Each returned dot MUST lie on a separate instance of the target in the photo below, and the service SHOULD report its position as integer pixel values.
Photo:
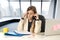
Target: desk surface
(37, 37)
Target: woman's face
(30, 14)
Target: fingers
(36, 16)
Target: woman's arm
(32, 27)
(20, 25)
(21, 22)
(37, 26)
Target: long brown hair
(33, 8)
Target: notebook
(15, 34)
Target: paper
(15, 34)
(22, 32)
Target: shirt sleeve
(20, 25)
(37, 26)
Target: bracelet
(22, 18)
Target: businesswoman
(30, 22)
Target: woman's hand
(25, 15)
(36, 16)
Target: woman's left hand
(37, 17)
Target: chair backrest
(42, 18)
(9, 21)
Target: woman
(30, 21)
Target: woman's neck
(30, 20)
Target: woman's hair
(33, 8)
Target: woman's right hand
(25, 15)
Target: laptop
(52, 27)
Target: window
(24, 6)
(4, 8)
(15, 8)
(45, 8)
(9, 9)
(38, 6)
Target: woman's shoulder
(41, 17)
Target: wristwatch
(22, 18)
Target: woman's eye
(27, 13)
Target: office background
(16, 8)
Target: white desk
(37, 37)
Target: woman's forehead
(30, 11)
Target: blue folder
(14, 34)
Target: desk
(37, 37)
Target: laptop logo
(56, 27)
